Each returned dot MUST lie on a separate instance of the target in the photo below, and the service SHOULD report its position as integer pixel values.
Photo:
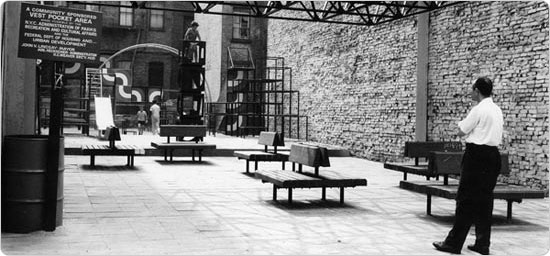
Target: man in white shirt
(482, 129)
(155, 117)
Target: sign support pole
(52, 172)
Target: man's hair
(484, 85)
(194, 23)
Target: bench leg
(436, 177)
(341, 195)
(509, 210)
(445, 179)
(171, 154)
(429, 204)
(289, 195)
(193, 154)
(274, 192)
(283, 165)
(404, 176)
(200, 155)
(324, 193)
(293, 167)
(128, 160)
(132, 164)
(165, 155)
(255, 165)
(427, 177)
(248, 166)
(92, 160)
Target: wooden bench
(448, 163)
(417, 150)
(313, 157)
(198, 132)
(267, 139)
(193, 146)
(120, 150)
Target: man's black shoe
(441, 246)
(483, 250)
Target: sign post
(57, 34)
(52, 172)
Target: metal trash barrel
(24, 166)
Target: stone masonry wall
(508, 42)
(357, 83)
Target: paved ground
(214, 208)
(225, 144)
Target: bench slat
(260, 156)
(290, 179)
(182, 145)
(423, 149)
(183, 130)
(309, 155)
(450, 163)
(271, 139)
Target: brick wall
(358, 83)
(508, 42)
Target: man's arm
(469, 123)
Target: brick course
(358, 83)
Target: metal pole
(52, 172)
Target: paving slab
(214, 208)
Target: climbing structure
(259, 100)
(185, 105)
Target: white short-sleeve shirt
(155, 110)
(484, 124)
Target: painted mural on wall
(122, 78)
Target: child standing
(142, 120)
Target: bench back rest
(451, 163)
(183, 130)
(308, 155)
(423, 149)
(271, 139)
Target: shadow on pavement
(183, 162)
(498, 221)
(311, 205)
(99, 167)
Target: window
(93, 8)
(126, 15)
(241, 24)
(156, 74)
(156, 17)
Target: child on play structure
(192, 34)
(142, 120)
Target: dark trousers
(474, 201)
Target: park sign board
(59, 34)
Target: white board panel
(103, 113)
